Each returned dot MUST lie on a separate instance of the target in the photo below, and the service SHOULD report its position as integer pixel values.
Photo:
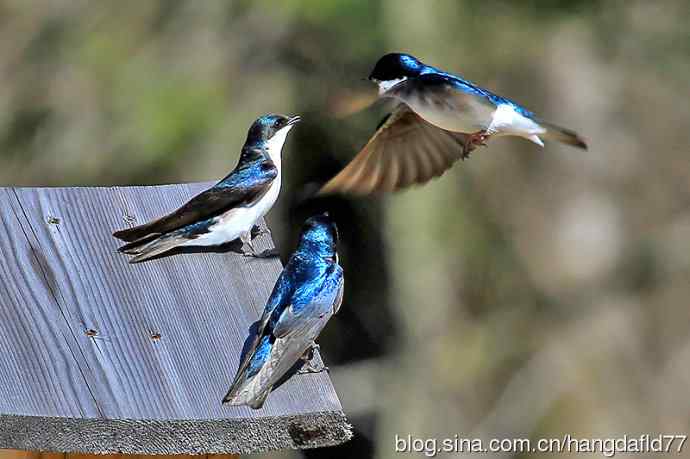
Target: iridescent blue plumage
(307, 293)
(253, 169)
(261, 354)
(395, 66)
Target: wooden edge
(215, 436)
(20, 454)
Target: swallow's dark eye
(276, 124)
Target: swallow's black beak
(293, 120)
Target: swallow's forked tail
(563, 135)
(146, 248)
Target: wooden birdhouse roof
(102, 356)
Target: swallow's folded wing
(243, 187)
(312, 307)
(404, 151)
(280, 299)
(292, 319)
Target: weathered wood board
(17, 454)
(168, 335)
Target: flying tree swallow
(226, 211)
(305, 296)
(440, 118)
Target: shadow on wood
(103, 356)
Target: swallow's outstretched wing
(405, 150)
(242, 187)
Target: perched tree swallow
(226, 211)
(307, 293)
(440, 119)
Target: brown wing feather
(404, 151)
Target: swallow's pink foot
(474, 140)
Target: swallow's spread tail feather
(554, 132)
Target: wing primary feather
(405, 150)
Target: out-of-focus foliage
(529, 292)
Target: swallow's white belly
(508, 121)
(469, 115)
(230, 225)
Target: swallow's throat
(384, 86)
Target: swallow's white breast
(233, 223)
(388, 84)
(230, 225)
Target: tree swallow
(305, 296)
(226, 211)
(440, 118)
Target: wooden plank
(33, 332)
(169, 334)
(19, 454)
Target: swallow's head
(394, 68)
(320, 233)
(271, 130)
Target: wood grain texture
(105, 356)
(19, 454)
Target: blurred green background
(527, 293)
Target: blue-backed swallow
(307, 293)
(440, 118)
(226, 211)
